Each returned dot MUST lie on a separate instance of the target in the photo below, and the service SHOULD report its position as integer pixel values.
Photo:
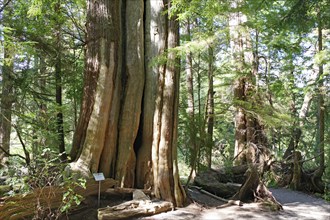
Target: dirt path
(299, 205)
(296, 206)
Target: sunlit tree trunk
(164, 155)
(241, 85)
(7, 92)
(192, 145)
(128, 126)
(210, 108)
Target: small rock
(139, 195)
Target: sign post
(99, 177)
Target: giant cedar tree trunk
(128, 123)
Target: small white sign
(98, 176)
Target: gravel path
(296, 206)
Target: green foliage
(270, 180)
(70, 197)
(284, 34)
(44, 172)
(29, 35)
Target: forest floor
(296, 205)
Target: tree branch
(26, 152)
(11, 155)
(4, 5)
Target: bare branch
(11, 155)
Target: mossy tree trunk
(128, 123)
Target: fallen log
(50, 197)
(124, 192)
(134, 208)
(209, 194)
(228, 202)
(209, 181)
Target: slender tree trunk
(292, 153)
(200, 115)
(164, 155)
(210, 108)
(320, 107)
(41, 116)
(302, 114)
(191, 108)
(58, 84)
(7, 98)
(7, 90)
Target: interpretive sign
(99, 177)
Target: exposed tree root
(246, 192)
(263, 195)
